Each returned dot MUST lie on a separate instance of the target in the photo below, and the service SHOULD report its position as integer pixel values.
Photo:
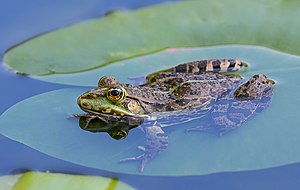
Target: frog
(208, 88)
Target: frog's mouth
(102, 105)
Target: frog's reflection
(117, 127)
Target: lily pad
(133, 70)
(50, 181)
(43, 122)
(123, 35)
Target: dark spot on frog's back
(182, 102)
(216, 64)
(182, 68)
(169, 108)
(232, 62)
(158, 105)
(202, 65)
(255, 77)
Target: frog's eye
(116, 94)
(107, 81)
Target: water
(18, 88)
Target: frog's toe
(132, 158)
(137, 158)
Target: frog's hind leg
(223, 118)
(210, 65)
(156, 142)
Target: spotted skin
(257, 87)
(213, 65)
(107, 81)
(199, 67)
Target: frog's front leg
(156, 142)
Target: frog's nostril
(81, 102)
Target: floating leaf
(50, 181)
(43, 122)
(127, 70)
(123, 35)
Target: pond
(252, 168)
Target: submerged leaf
(123, 35)
(43, 122)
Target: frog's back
(186, 86)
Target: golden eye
(116, 94)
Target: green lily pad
(50, 181)
(126, 71)
(43, 122)
(123, 35)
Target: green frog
(193, 90)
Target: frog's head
(109, 98)
(256, 87)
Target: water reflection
(117, 127)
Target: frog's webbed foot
(157, 141)
(89, 118)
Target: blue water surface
(20, 20)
